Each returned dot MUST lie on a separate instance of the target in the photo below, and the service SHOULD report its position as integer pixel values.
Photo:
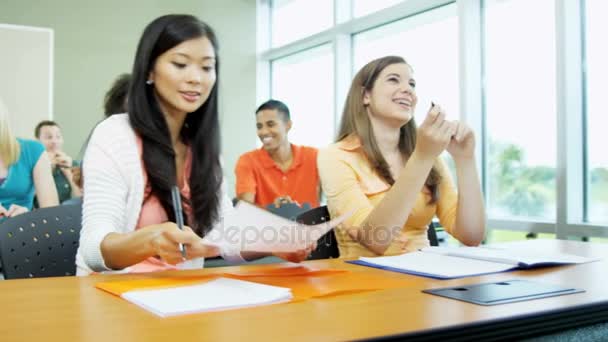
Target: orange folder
(304, 282)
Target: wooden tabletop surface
(72, 309)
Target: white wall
(26, 65)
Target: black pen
(179, 218)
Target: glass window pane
(597, 73)
(364, 7)
(291, 19)
(520, 108)
(435, 64)
(295, 81)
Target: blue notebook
(459, 262)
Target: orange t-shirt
(257, 173)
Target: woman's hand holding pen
(434, 134)
(167, 237)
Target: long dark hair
(200, 130)
(355, 120)
(114, 102)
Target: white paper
(250, 228)
(438, 265)
(455, 262)
(523, 258)
(218, 294)
(191, 264)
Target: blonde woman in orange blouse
(388, 170)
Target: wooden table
(72, 309)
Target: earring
(148, 82)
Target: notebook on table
(459, 262)
(215, 295)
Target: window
(429, 43)
(516, 53)
(596, 15)
(520, 108)
(305, 82)
(364, 7)
(291, 19)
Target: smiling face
(272, 128)
(51, 138)
(184, 76)
(393, 95)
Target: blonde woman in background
(25, 171)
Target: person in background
(388, 171)
(25, 170)
(115, 100)
(49, 134)
(169, 138)
(279, 172)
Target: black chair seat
(288, 210)
(41, 243)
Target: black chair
(288, 210)
(327, 245)
(72, 201)
(432, 234)
(41, 243)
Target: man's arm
(247, 197)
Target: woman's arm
(385, 221)
(470, 215)
(69, 175)
(162, 240)
(44, 182)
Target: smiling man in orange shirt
(279, 172)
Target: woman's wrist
(462, 161)
(423, 159)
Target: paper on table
(250, 228)
(437, 265)
(218, 294)
(519, 258)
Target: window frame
(571, 145)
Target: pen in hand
(179, 218)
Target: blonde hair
(9, 146)
(356, 120)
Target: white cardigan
(114, 191)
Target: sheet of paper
(218, 294)
(523, 258)
(251, 228)
(437, 265)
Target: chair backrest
(41, 243)
(432, 235)
(327, 245)
(72, 201)
(288, 210)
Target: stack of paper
(215, 295)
